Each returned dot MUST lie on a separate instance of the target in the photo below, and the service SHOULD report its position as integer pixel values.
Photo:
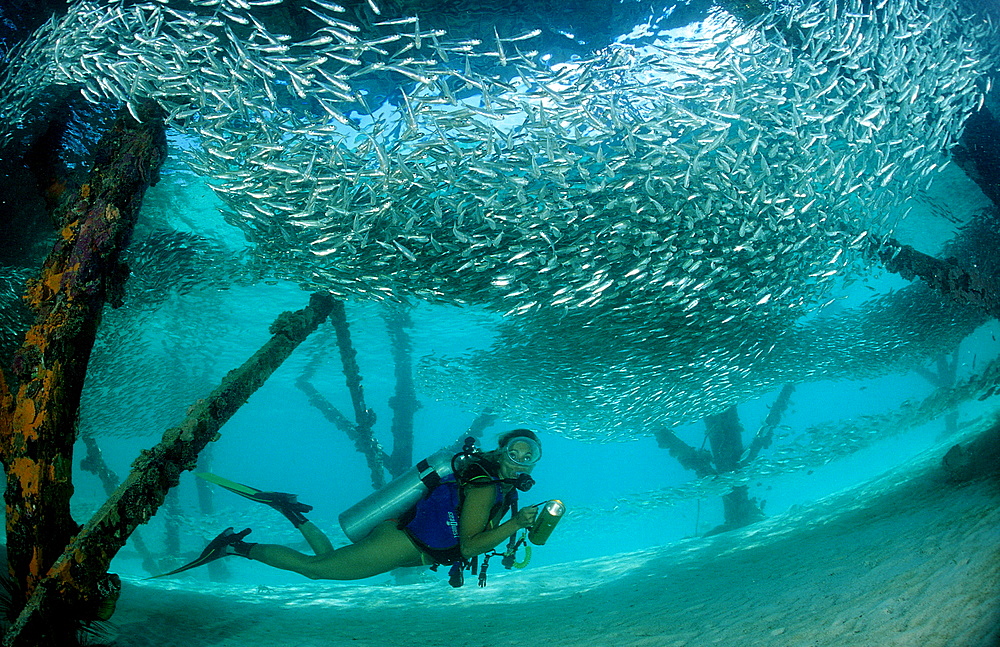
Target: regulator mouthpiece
(550, 514)
(523, 481)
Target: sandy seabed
(910, 559)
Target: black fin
(216, 549)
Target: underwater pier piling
(82, 273)
(697, 460)
(94, 463)
(978, 151)
(724, 431)
(945, 377)
(947, 277)
(725, 435)
(404, 403)
(362, 435)
(762, 440)
(365, 445)
(80, 572)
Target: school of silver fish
(652, 219)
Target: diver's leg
(316, 539)
(384, 549)
(294, 511)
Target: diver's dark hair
(518, 433)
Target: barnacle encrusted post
(724, 426)
(944, 377)
(81, 569)
(82, 272)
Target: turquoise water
(646, 222)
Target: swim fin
(286, 504)
(216, 549)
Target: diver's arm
(474, 537)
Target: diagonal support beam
(366, 444)
(766, 432)
(80, 572)
(964, 285)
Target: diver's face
(517, 457)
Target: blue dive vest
(433, 522)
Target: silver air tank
(397, 496)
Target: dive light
(550, 514)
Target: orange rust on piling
(27, 473)
(53, 281)
(26, 420)
(70, 230)
(38, 425)
(37, 338)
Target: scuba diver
(458, 518)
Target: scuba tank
(548, 517)
(400, 494)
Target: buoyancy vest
(433, 522)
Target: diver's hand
(525, 517)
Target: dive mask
(522, 451)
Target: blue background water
(279, 442)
